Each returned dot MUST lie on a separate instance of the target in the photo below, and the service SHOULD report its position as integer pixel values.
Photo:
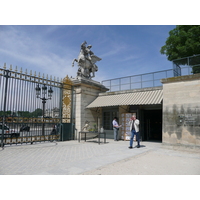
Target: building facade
(168, 113)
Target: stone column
(86, 91)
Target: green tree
(24, 114)
(37, 112)
(183, 41)
(7, 113)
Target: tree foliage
(183, 41)
(36, 113)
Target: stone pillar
(86, 91)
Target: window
(108, 116)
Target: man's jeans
(137, 137)
(115, 133)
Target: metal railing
(137, 81)
(186, 66)
(181, 67)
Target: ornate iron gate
(31, 107)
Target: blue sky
(125, 49)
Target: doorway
(153, 125)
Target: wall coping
(180, 78)
(88, 83)
(131, 91)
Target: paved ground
(71, 157)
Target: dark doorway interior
(153, 125)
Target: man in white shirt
(134, 128)
(116, 127)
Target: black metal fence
(30, 107)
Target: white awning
(134, 98)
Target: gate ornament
(66, 101)
(86, 62)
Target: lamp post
(46, 95)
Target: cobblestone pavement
(71, 157)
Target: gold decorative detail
(67, 82)
(67, 89)
(66, 100)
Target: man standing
(115, 128)
(134, 128)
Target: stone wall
(181, 110)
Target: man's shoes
(138, 146)
(130, 147)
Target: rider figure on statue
(86, 61)
(88, 53)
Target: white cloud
(51, 49)
(34, 53)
